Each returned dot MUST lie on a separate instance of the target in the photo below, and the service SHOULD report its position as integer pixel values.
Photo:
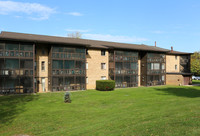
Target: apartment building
(178, 68)
(38, 63)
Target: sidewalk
(193, 85)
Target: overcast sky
(169, 22)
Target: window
(103, 52)
(57, 64)
(35, 65)
(43, 52)
(69, 64)
(26, 47)
(103, 65)
(175, 67)
(103, 77)
(163, 78)
(156, 66)
(86, 65)
(176, 57)
(153, 66)
(2, 46)
(86, 80)
(43, 65)
(163, 66)
(12, 46)
(26, 64)
(12, 63)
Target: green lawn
(143, 111)
(195, 81)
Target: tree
(195, 63)
(75, 35)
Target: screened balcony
(16, 68)
(123, 68)
(156, 69)
(185, 64)
(68, 68)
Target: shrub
(105, 85)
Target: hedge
(105, 85)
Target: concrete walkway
(193, 85)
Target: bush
(105, 85)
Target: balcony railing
(125, 85)
(125, 72)
(16, 72)
(126, 58)
(153, 83)
(14, 53)
(155, 59)
(184, 61)
(68, 87)
(149, 72)
(16, 90)
(61, 55)
(58, 72)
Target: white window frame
(104, 51)
(103, 66)
(176, 67)
(86, 65)
(103, 78)
(86, 80)
(42, 66)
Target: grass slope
(143, 111)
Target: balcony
(150, 72)
(156, 59)
(58, 72)
(126, 72)
(61, 55)
(16, 72)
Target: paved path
(193, 85)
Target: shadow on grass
(190, 92)
(11, 106)
(195, 82)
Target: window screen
(11, 63)
(12, 46)
(57, 64)
(26, 64)
(26, 47)
(69, 64)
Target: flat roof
(77, 42)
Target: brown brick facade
(42, 75)
(172, 79)
(171, 61)
(94, 71)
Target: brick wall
(94, 72)
(39, 72)
(172, 79)
(171, 62)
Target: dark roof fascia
(121, 48)
(179, 53)
(157, 52)
(42, 42)
(97, 48)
